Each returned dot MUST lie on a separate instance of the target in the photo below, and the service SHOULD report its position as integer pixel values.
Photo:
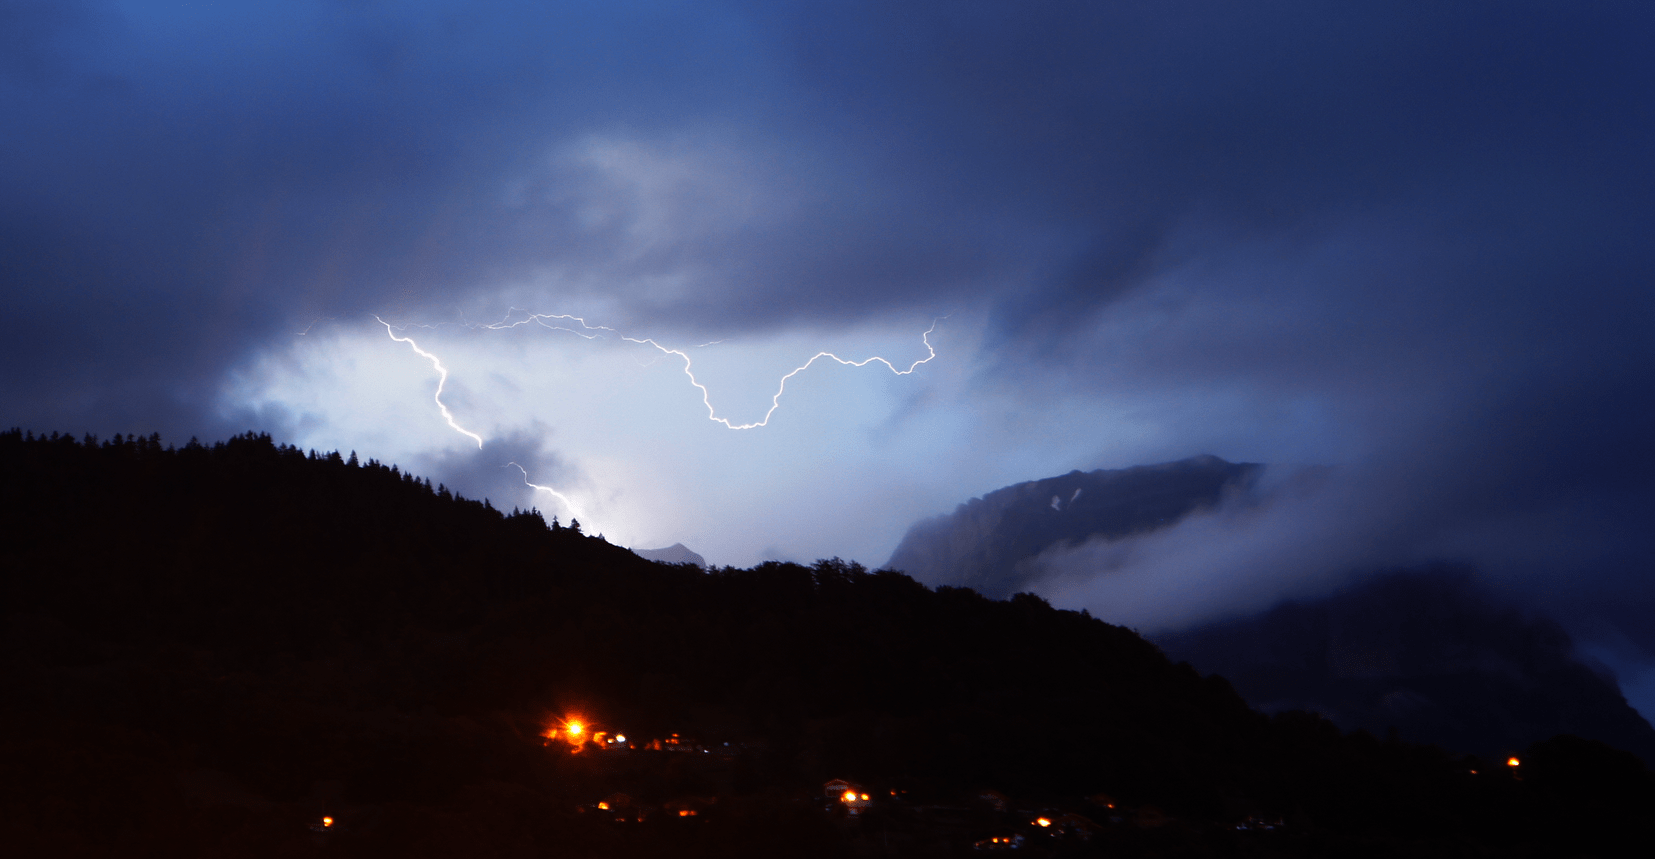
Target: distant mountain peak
(984, 543)
(677, 553)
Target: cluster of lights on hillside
(578, 733)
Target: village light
(1513, 762)
(1042, 822)
(850, 796)
(620, 738)
(327, 821)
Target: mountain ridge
(1424, 651)
(677, 553)
(986, 541)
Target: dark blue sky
(1409, 241)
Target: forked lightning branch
(581, 328)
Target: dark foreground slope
(208, 649)
(1425, 652)
(986, 542)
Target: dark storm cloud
(355, 156)
(1430, 222)
(181, 190)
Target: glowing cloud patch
(581, 328)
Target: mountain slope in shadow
(1425, 652)
(986, 543)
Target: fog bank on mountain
(987, 543)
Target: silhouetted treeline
(315, 632)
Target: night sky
(1401, 252)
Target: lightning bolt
(546, 320)
(546, 489)
(442, 380)
(592, 332)
(313, 324)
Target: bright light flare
(1513, 762)
(571, 731)
(327, 821)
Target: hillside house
(835, 789)
(852, 797)
(688, 806)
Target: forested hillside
(211, 648)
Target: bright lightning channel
(706, 396)
(546, 320)
(547, 489)
(441, 381)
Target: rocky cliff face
(1426, 652)
(987, 542)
